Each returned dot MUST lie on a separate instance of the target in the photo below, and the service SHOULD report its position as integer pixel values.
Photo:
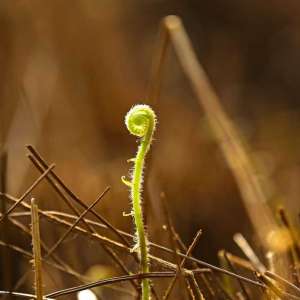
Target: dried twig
(36, 250)
(27, 192)
(68, 231)
(119, 245)
(179, 274)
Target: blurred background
(70, 70)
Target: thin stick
(111, 281)
(192, 278)
(179, 273)
(197, 288)
(73, 196)
(22, 295)
(68, 231)
(57, 190)
(27, 192)
(36, 249)
(188, 253)
(241, 284)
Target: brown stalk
(36, 250)
(246, 174)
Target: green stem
(141, 122)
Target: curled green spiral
(141, 122)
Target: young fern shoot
(141, 122)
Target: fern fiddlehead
(141, 122)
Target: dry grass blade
(51, 217)
(275, 289)
(238, 261)
(282, 281)
(36, 249)
(248, 251)
(293, 242)
(157, 66)
(246, 174)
